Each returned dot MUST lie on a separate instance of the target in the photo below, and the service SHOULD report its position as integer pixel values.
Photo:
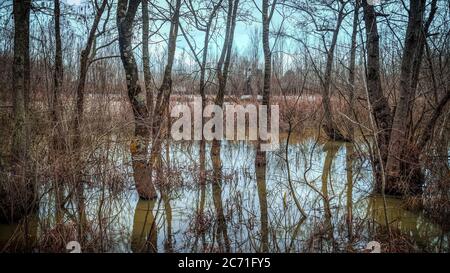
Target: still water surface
(317, 199)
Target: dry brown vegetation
(84, 115)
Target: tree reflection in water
(228, 197)
(144, 233)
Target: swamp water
(242, 206)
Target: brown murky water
(317, 199)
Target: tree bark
(428, 130)
(203, 89)
(163, 97)
(410, 59)
(225, 56)
(330, 127)
(400, 161)
(126, 12)
(20, 76)
(352, 64)
(84, 65)
(146, 57)
(260, 159)
(267, 53)
(57, 78)
(57, 141)
(379, 103)
(20, 199)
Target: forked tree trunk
(399, 125)
(163, 97)
(399, 165)
(126, 11)
(77, 144)
(223, 65)
(225, 56)
(84, 65)
(203, 91)
(222, 77)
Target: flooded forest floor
(312, 195)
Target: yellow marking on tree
(133, 146)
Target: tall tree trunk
(222, 68)
(21, 198)
(20, 77)
(146, 57)
(57, 78)
(379, 103)
(260, 159)
(84, 65)
(57, 142)
(222, 76)
(411, 62)
(330, 127)
(163, 97)
(267, 53)
(411, 55)
(349, 155)
(162, 100)
(352, 64)
(203, 89)
(205, 52)
(225, 56)
(126, 12)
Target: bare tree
(85, 58)
(352, 61)
(126, 12)
(223, 64)
(204, 25)
(163, 98)
(379, 103)
(57, 142)
(330, 127)
(146, 57)
(21, 74)
(22, 198)
(415, 36)
(266, 18)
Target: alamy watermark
(259, 125)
